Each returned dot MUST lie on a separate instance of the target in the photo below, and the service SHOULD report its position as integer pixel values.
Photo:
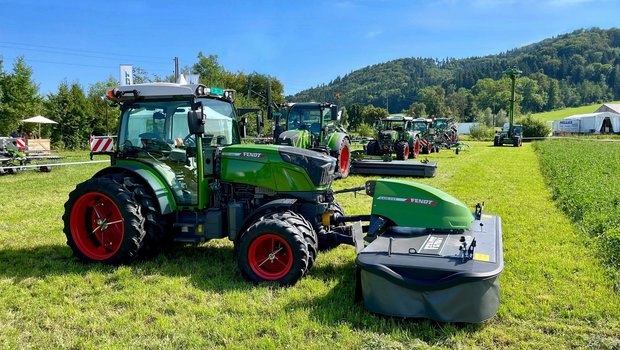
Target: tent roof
(592, 115)
(39, 119)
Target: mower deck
(423, 273)
(394, 168)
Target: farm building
(609, 107)
(591, 123)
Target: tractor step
(394, 168)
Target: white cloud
(374, 34)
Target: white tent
(39, 119)
(592, 123)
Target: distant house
(591, 123)
(609, 107)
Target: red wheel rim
(344, 160)
(270, 257)
(97, 226)
(406, 155)
(416, 148)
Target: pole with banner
(126, 74)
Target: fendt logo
(408, 200)
(244, 154)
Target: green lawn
(554, 291)
(567, 112)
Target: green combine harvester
(511, 134)
(179, 173)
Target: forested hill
(569, 70)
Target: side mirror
(196, 122)
(335, 113)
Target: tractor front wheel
(103, 223)
(344, 158)
(402, 150)
(274, 249)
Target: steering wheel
(189, 141)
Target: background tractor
(395, 135)
(314, 126)
(510, 134)
(423, 125)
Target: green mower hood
(410, 204)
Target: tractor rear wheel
(103, 223)
(496, 140)
(402, 150)
(154, 222)
(344, 158)
(274, 249)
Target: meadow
(555, 290)
(567, 112)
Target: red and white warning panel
(101, 144)
(21, 144)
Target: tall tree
(19, 98)
(70, 108)
(101, 107)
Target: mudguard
(410, 204)
(161, 191)
(334, 140)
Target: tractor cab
(306, 123)
(155, 132)
(420, 124)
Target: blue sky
(302, 43)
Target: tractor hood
(410, 204)
(295, 138)
(279, 168)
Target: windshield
(163, 124)
(440, 123)
(308, 118)
(397, 125)
(220, 122)
(420, 126)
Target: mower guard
(394, 168)
(436, 259)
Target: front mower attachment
(447, 276)
(429, 256)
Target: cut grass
(554, 291)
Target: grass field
(567, 112)
(554, 290)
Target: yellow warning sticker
(487, 216)
(482, 257)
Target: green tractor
(511, 134)
(423, 126)
(314, 126)
(396, 135)
(180, 173)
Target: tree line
(81, 112)
(574, 69)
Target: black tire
(496, 141)
(515, 141)
(325, 240)
(457, 150)
(45, 169)
(79, 219)
(155, 224)
(12, 171)
(372, 148)
(288, 258)
(344, 158)
(402, 150)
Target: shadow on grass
(339, 307)
(208, 268)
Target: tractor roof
(166, 90)
(397, 118)
(308, 104)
